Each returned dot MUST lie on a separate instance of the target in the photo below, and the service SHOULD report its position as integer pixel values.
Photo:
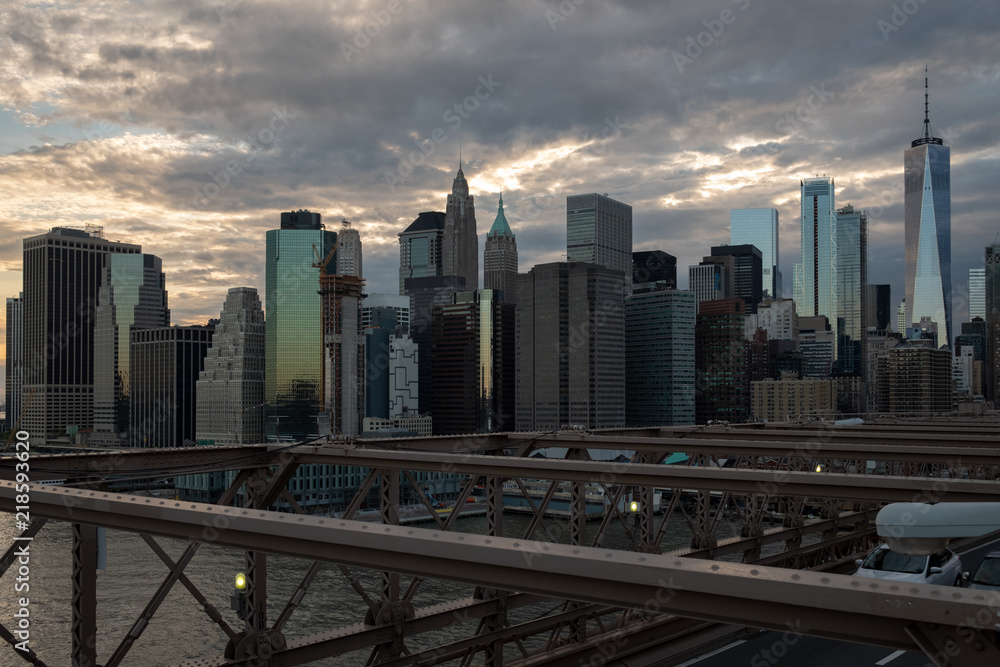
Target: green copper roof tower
(500, 258)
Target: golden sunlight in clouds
(508, 177)
(734, 180)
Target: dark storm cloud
(683, 109)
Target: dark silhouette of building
(460, 256)
(570, 347)
(879, 307)
(720, 362)
(165, 364)
(654, 266)
(748, 272)
(63, 271)
(472, 383)
(425, 293)
(659, 355)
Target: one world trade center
(928, 230)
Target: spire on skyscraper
(927, 137)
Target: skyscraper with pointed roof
(461, 242)
(500, 258)
(927, 228)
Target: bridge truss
(822, 485)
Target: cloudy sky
(189, 125)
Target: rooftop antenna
(460, 153)
(927, 119)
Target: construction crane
(321, 264)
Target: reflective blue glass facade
(816, 280)
(293, 331)
(928, 234)
(852, 292)
(759, 227)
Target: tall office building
(654, 266)
(721, 388)
(818, 345)
(901, 317)
(878, 306)
(759, 227)
(473, 345)
(349, 251)
(294, 325)
(398, 303)
(599, 231)
(344, 357)
(15, 358)
(852, 289)
(378, 332)
(927, 229)
(500, 258)
(63, 270)
(991, 261)
(816, 276)
(977, 293)
(165, 364)
(421, 248)
(708, 282)
(404, 384)
(570, 347)
(659, 356)
(229, 392)
(425, 293)
(230, 388)
(461, 241)
(132, 295)
(747, 272)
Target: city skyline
(753, 112)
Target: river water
(180, 630)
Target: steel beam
(844, 444)
(83, 652)
(784, 483)
(860, 610)
(146, 462)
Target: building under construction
(343, 342)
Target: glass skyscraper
(852, 292)
(816, 276)
(132, 294)
(294, 325)
(759, 227)
(659, 357)
(927, 216)
(599, 231)
(63, 271)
